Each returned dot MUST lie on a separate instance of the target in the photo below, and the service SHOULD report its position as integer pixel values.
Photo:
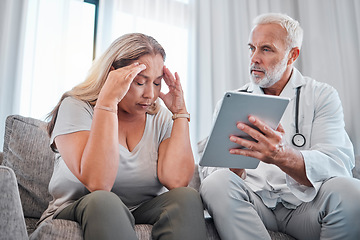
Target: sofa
(26, 165)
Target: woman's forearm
(176, 161)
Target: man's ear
(293, 55)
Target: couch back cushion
(27, 152)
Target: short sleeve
(74, 115)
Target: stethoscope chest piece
(298, 140)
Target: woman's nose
(149, 91)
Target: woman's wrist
(181, 115)
(182, 110)
(109, 109)
(106, 102)
(109, 106)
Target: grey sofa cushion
(12, 224)
(57, 229)
(68, 230)
(27, 152)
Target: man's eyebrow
(261, 45)
(266, 45)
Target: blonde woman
(121, 157)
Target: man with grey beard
(303, 185)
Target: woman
(118, 148)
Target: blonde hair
(122, 52)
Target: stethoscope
(298, 139)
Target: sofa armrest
(12, 222)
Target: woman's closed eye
(139, 82)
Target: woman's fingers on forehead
(167, 73)
(141, 67)
(168, 77)
(137, 69)
(130, 66)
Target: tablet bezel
(268, 108)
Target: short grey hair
(292, 27)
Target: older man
(303, 184)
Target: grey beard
(272, 76)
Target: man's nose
(255, 57)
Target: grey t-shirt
(136, 180)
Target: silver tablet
(236, 107)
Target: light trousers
(239, 213)
(177, 215)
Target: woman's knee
(182, 207)
(98, 198)
(183, 203)
(185, 196)
(103, 203)
(103, 215)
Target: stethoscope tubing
(298, 139)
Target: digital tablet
(236, 107)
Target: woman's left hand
(174, 99)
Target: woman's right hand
(118, 83)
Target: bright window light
(57, 56)
(59, 46)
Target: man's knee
(341, 188)
(342, 194)
(222, 191)
(340, 209)
(220, 184)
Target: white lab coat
(328, 151)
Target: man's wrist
(243, 175)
